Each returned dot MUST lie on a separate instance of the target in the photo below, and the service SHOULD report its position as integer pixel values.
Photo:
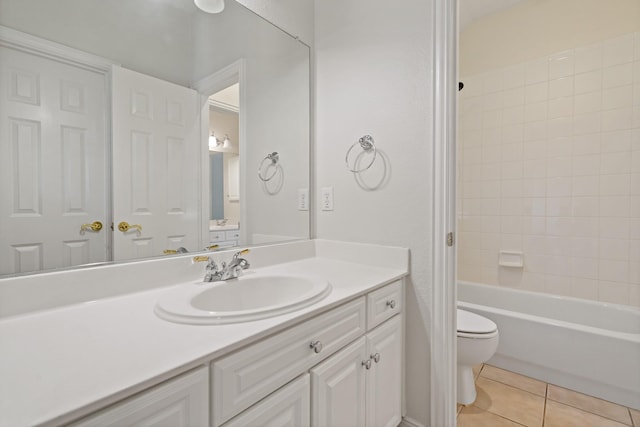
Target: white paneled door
(156, 167)
(52, 163)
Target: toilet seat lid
(472, 323)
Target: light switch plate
(303, 199)
(326, 198)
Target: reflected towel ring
(367, 144)
(274, 158)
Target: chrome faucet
(213, 273)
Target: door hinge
(450, 239)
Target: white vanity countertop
(60, 364)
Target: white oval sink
(240, 300)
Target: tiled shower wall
(549, 164)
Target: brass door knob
(125, 226)
(95, 226)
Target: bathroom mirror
(106, 123)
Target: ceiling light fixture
(210, 6)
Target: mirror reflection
(136, 128)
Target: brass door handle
(95, 226)
(125, 226)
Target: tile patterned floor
(507, 399)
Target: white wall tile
(614, 249)
(618, 51)
(615, 185)
(551, 159)
(618, 75)
(536, 92)
(588, 82)
(587, 144)
(588, 58)
(560, 107)
(617, 97)
(615, 228)
(588, 102)
(615, 163)
(560, 147)
(618, 119)
(614, 206)
(585, 206)
(585, 268)
(562, 64)
(616, 141)
(536, 71)
(562, 87)
(585, 247)
(616, 293)
(585, 185)
(587, 123)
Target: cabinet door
(384, 379)
(180, 402)
(338, 388)
(287, 407)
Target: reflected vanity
(107, 118)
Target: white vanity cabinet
(361, 384)
(182, 401)
(341, 367)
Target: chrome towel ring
(270, 161)
(367, 145)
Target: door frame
(443, 325)
(48, 49)
(207, 86)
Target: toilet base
(466, 394)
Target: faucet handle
(242, 252)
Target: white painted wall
(373, 76)
(293, 16)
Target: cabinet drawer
(384, 303)
(289, 406)
(232, 235)
(216, 236)
(246, 376)
(180, 402)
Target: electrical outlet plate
(326, 198)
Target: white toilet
(477, 342)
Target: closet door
(156, 166)
(52, 163)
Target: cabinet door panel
(287, 407)
(180, 402)
(250, 374)
(339, 387)
(384, 379)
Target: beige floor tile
(559, 415)
(472, 416)
(515, 380)
(459, 408)
(635, 416)
(590, 404)
(509, 402)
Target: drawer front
(179, 402)
(216, 236)
(246, 376)
(232, 235)
(289, 406)
(384, 303)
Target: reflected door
(52, 164)
(156, 172)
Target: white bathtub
(586, 346)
